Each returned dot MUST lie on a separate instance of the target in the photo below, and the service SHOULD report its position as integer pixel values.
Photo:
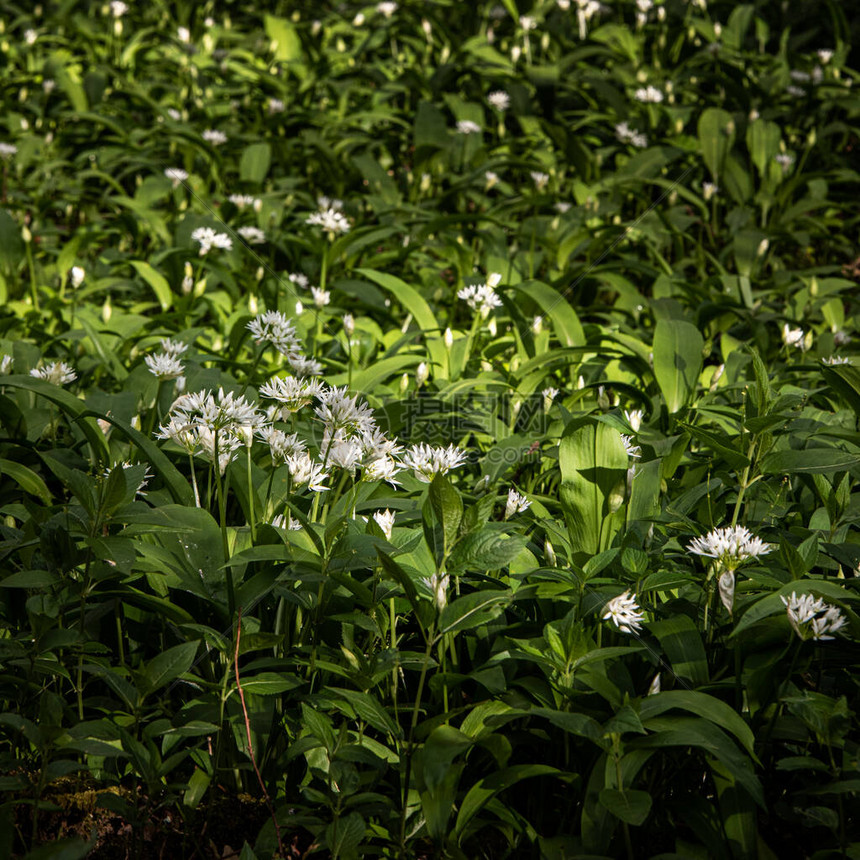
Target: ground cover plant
(429, 430)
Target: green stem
(745, 482)
(251, 493)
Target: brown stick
(250, 743)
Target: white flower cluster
(648, 95)
(167, 363)
(731, 546)
(623, 611)
(630, 135)
(482, 297)
(813, 618)
(209, 239)
(515, 504)
(276, 328)
(57, 372)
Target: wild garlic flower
(173, 347)
(648, 95)
(467, 126)
(549, 395)
(285, 521)
(623, 611)
(540, 179)
(437, 585)
(57, 372)
(282, 445)
(499, 99)
(834, 360)
(303, 366)
(825, 55)
(515, 504)
(386, 8)
(340, 411)
(163, 365)
(225, 413)
(7, 150)
(30, 36)
(527, 23)
(385, 521)
(299, 279)
(625, 134)
(731, 546)
(240, 201)
(214, 136)
(275, 327)
(183, 34)
(349, 325)
(209, 238)
(490, 178)
(427, 461)
(793, 337)
(252, 235)
(118, 8)
(634, 418)
(632, 450)
(709, 189)
(784, 160)
(330, 220)
(77, 274)
(292, 392)
(320, 296)
(382, 469)
(6, 362)
(813, 618)
(481, 298)
(304, 470)
(276, 106)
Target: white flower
(427, 461)
(30, 36)
(813, 618)
(655, 686)
(176, 175)
(824, 56)
(299, 279)
(634, 418)
(49, 85)
(480, 297)
(834, 360)
(491, 178)
(304, 470)
(164, 365)
(57, 372)
(330, 220)
(438, 587)
(293, 393)
(118, 8)
(540, 179)
(321, 297)
(731, 546)
(632, 450)
(709, 189)
(214, 136)
(276, 106)
(386, 8)
(549, 395)
(240, 201)
(630, 135)
(303, 366)
(6, 363)
(840, 338)
(345, 453)
(466, 126)
(76, 276)
(349, 324)
(183, 34)
(282, 446)
(175, 115)
(624, 613)
(285, 521)
(7, 150)
(515, 504)
(784, 160)
(527, 22)
(499, 99)
(273, 326)
(340, 411)
(648, 95)
(793, 337)
(208, 238)
(252, 235)
(382, 469)
(385, 520)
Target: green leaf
(344, 835)
(593, 465)
(762, 139)
(64, 849)
(845, 379)
(167, 667)
(677, 360)
(288, 45)
(681, 641)
(485, 550)
(565, 322)
(255, 162)
(627, 805)
(431, 130)
(442, 512)
(716, 131)
(809, 461)
(472, 610)
(483, 791)
(26, 479)
(155, 280)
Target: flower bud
(349, 324)
(422, 374)
(449, 338)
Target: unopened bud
(107, 310)
(252, 305)
(449, 338)
(422, 374)
(404, 383)
(349, 324)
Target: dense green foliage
(602, 258)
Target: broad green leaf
(255, 161)
(487, 788)
(287, 44)
(565, 322)
(155, 280)
(26, 479)
(484, 550)
(716, 131)
(677, 361)
(845, 379)
(808, 461)
(762, 141)
(593, 465)
(167, 667)
(628, 805)
(681, 641)
(472, 610)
